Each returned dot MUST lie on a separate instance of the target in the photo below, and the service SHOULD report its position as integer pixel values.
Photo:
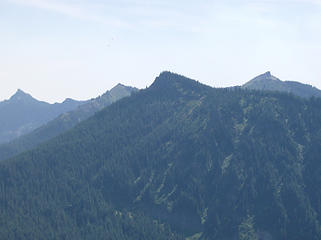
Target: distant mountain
(176, 159)
(64, 122)
(22, 113)
(268, 82)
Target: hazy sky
(55, 49)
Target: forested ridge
(176, 160)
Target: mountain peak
(265, 78)
(20, 95)
(166, 79)
(119, 91)
(268, 74)
(170, 85)
(69, 100)
(167, 75)
(266, 81)
(118, 86)
(19, 91)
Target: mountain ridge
(268, 82)
(64, 121)
(211, 163)
(22, 95)
(22, 113)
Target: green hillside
(176, 159)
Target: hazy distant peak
(20, 95)
(267, 81)
(20, 92)
(265, 76)
(119, 85)
(69, 100)
(119, 91)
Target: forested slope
(178, 158)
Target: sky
(57, 49)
